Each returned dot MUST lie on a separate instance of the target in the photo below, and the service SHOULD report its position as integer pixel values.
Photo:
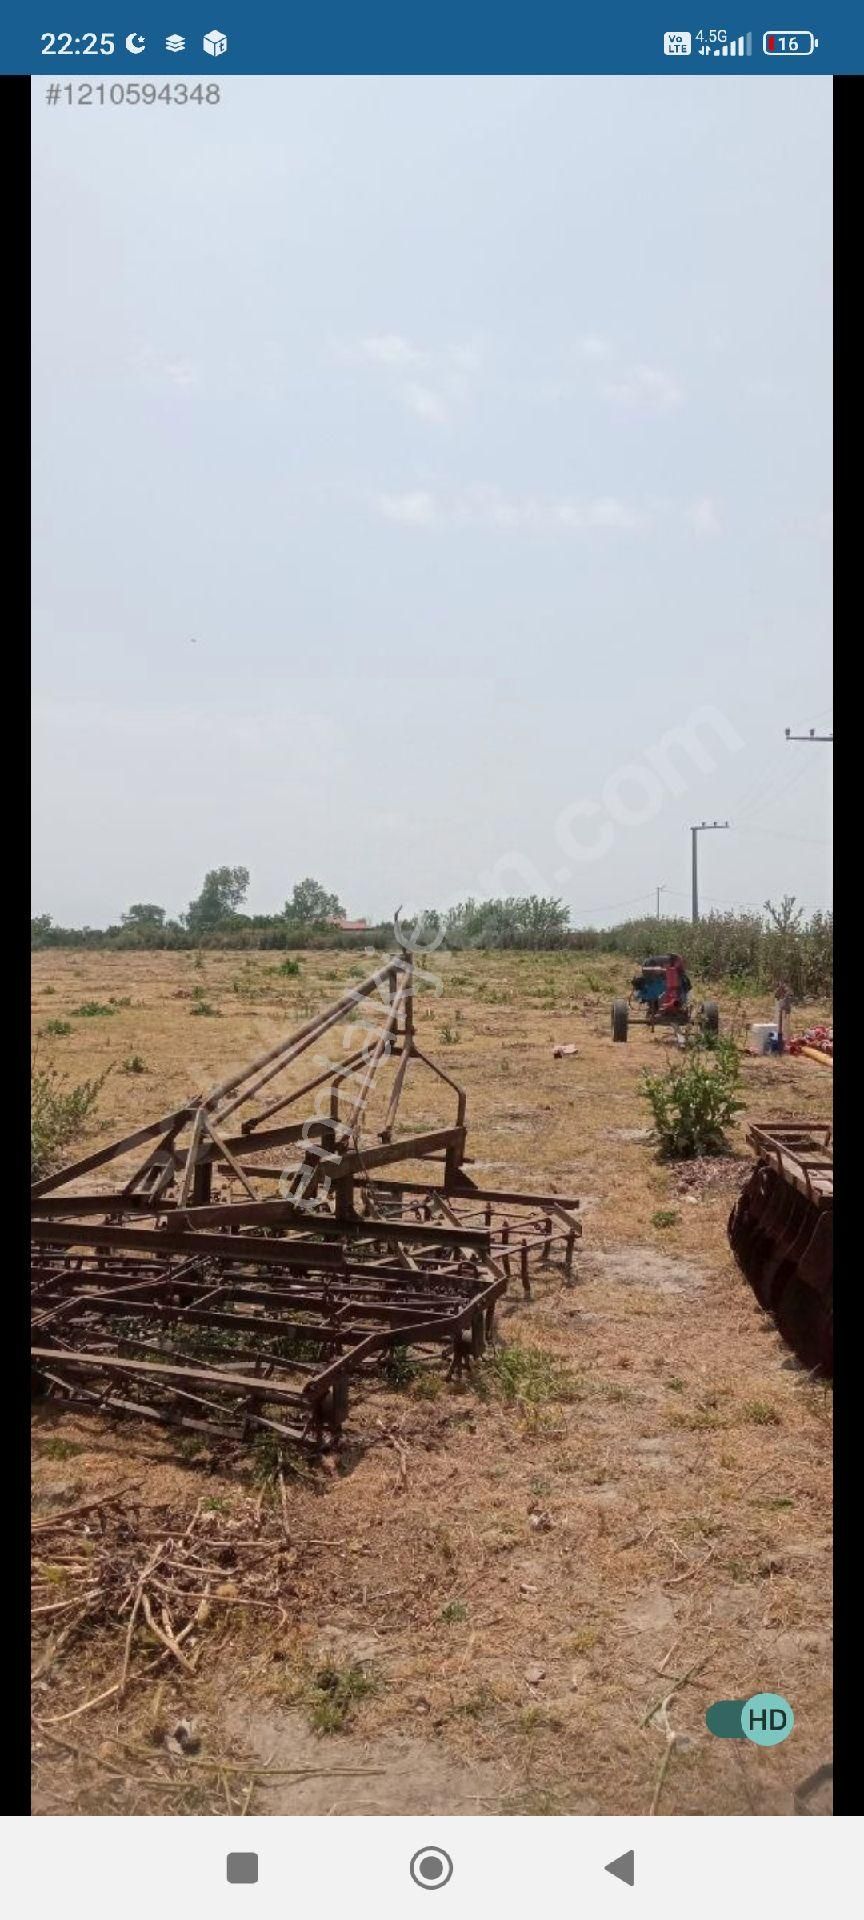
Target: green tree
(144, 914)
(310, 901)
(224, 890)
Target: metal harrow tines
(223, 1348)
(781, 1233)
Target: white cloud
(158, 371)
(704, 518)
(443, 375)
(426, 403)
(181, 373)
(490, 508)
(390, 350)
(615, 513)
(644, 390)
(592, 347)
(410, 509)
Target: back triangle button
(624, 1868)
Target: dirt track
(522, 1580)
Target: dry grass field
(530, 1586)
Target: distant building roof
(350, 926)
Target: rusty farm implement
(781, 1233)
(243, 1263)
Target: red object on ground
(821, 1037)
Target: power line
(733, 905)
(611, 906)
(803, 839)
(772, 791)
(824, 713)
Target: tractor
(662, 987)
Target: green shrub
(134, 1064)
(204, 1009)
(693, 1103)
(57, 1027)
(57, 1114)
(665, 1217)
(91, 1010)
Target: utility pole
(809, 736)
(660, 889)
(705, 826)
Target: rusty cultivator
(781, 1233)
(262, 1259)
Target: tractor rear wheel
(620, 1019)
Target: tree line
(753, 948)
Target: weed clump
(334, 1695)
(524, 1376)
(57, 1113)
(693, 1103)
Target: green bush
(57, 1114)
(58, 1027)
(693, 1103)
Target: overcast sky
(410, 455)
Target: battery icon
(790, 44)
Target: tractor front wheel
(620, 1019)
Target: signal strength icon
(735, 49)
